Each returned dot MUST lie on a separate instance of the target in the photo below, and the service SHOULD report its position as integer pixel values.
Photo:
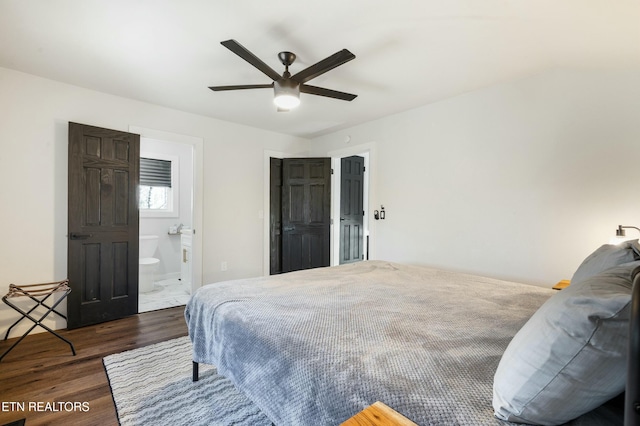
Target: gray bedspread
(315, 347)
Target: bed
(316, 347)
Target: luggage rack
(38, 293)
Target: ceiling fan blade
(242, 51)
(323, 66)
(321, 91)
(241, 86)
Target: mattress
(315, 347)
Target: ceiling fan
(287, 87)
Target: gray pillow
(570, 357)
(605, 257)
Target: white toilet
(147, 263)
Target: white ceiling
(408, 52)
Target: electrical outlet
(223, 265)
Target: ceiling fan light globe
(286, 93)
(286, 101)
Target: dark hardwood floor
(42, 369)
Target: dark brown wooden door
(103, 224)
(275, 216)
(306, 216)
(351, 209)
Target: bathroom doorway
(170, 206)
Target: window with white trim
(158, 190)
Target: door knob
(289, 228)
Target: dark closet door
(275, 216)
(306, 216)
(351, 209)
(103, 224)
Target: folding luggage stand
(39, 293)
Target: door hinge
(364, 169)
(331, 171)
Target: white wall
(517, 181)
(34, 116)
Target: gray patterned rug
(152, 386)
